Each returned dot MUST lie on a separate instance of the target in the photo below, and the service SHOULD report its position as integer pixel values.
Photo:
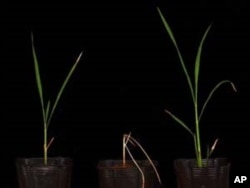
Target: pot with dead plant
(130, 173)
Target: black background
(128, 75)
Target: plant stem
(45, 144)
(197, 129)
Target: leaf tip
(233, 86)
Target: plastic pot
(214, 175)
(113, 174)
(32, 173)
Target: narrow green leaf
(63, 86)
(167, 27)
(171, 35)
(38, 78)
(47, 112)
(198, 60)
(178, 120)
(212, 92)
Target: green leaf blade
(178, 120)
(38, 78)
(171, 35)
(198, 60)
(217, 86)
(63, 86)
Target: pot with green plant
(202, 171)
(130, 173)
(46, 172)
